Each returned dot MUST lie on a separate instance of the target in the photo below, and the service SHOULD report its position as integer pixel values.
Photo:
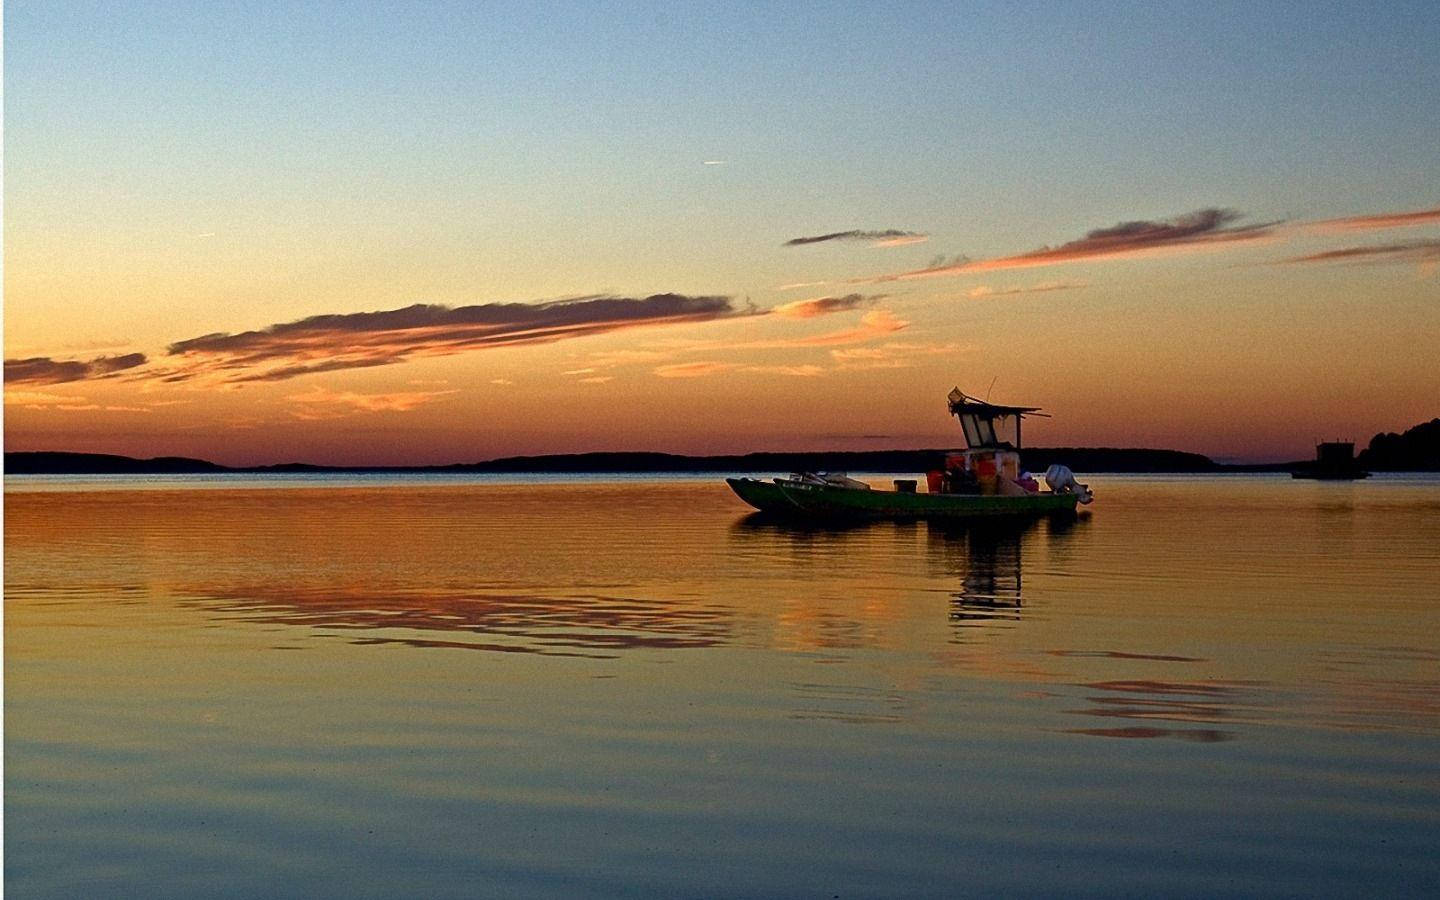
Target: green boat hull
(819, 502)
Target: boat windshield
(984, 431)
(978, 432)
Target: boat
(1334, 461)
(984, 480)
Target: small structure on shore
(1334, 461)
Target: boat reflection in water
(984, 557)
(991, 586)
(988, 561)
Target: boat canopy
(989, 425)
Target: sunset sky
(442, 232)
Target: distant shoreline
(1082, 459)
(1416, 450)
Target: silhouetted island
(1103, 459)
(1418, 449)
(60, 463)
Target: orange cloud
(37, 399)
(403, 401)
(892, 354)
(693, 369)
(873, 324)
(710, 367)
(819, 306)
(1198, 229)
(610, 358)
(806, 371)
(1383, 220)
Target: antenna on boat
(991, 388)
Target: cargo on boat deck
(983, 480)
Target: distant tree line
(1084, 459)
(1417, 450)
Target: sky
(445, 232)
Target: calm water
(461, 687)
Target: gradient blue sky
(176, 170)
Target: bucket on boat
(985, 473)
(905, 485)
(1009, 465)
(934, 480)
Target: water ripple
(511, 623)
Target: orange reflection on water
(1196, 602)
(550, 625)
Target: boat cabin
(990, 464)
(989, 425)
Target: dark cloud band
(358, 340)
(889, 234)
(1381, 221)
(1408, 251)
(1192, 230)
(44, 370)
